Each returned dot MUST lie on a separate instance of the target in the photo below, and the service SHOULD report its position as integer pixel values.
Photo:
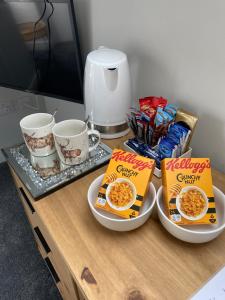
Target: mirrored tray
(44, 174)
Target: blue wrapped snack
(167, 148)
(176, 139)
(179, 135)
(145, 117)
(159, 117)
(147, 151)
(162, 117)
(134, 144)
(165, 151)
(180, 131)
(144, 150)
(171, 109)
(167, 118)
(173, 130)
(178, 142)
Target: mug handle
(94, 132)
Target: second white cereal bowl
(114, 222)
(194, 233)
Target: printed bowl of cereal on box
(121, 194)
(192, 203)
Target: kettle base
(111, 132)
(115, 135)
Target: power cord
(34, 39)
(49, 31)
(49, 36)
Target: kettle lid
(107, 57)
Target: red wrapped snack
(144, 103)
(158, 102)
(150, 104)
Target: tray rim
(38, 193)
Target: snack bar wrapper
(189, 119)
(150, 104)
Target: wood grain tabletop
(147, 263)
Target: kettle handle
(111, 78)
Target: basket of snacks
(161, 130)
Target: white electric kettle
(107, 92)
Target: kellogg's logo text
(186, 163)
(132, 159)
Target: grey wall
(176, 49)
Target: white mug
(37, 133)
(72, 141)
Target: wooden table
(93, 262)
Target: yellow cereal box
(125, 183)
(188, 190)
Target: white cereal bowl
(194, 233)
(114, 222)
